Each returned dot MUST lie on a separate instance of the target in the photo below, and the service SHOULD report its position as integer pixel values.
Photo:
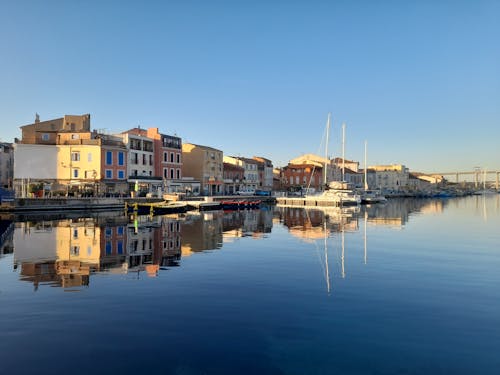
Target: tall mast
(366, 173)
(343, 151)
(326, 149)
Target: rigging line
(323, 140)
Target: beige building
(46, 132)
(389, 178)
(204, 164)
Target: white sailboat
(338, 192)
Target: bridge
(475, 174)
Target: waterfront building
(390, 178)
(305, 175)
(84, 166)
(167, 159)
(354, 178)
(204, 164)
(233, 178)
(64, 157)
(348, 164)
(6, 165)
(333, 173)
(265, 169)
(278, 180)
(251, 174)
(114, 166)
(141, 172)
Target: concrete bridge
(475, 174)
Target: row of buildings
(64, 156)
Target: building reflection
(66, 252)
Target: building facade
(233, 178)
(265, 168)
(6, 165)
(167, 159)
(141, 172)
(389, 178)
(297, 177)
(204, 164)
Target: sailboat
(337, 192)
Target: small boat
(159, 208)
(372, 196)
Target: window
(178, 174)
(75, 156)
(75, 232)
(108, 232)
(150, 159)
(143, 159)
(178, 158)
(45, 137)
(135, 158)
(75, 136)
(119, 245)
(75, 173)
(108, 247)
(165, 157)
(109, 173)
(89, 157)
(172, 173)
(74, 250)
(121, 175)
(121, 158)
(119, 231)
(171, 157)
(109, 157)
(165, 172)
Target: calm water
(410, 287)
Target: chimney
(37, 118)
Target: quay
(114, 203)
(70, 204)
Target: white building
(141, 163)
(389, 178)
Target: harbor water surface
(408, 287)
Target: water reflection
(65, 252)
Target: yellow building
(204, 164)
(78, 166)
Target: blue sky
(419, 80)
